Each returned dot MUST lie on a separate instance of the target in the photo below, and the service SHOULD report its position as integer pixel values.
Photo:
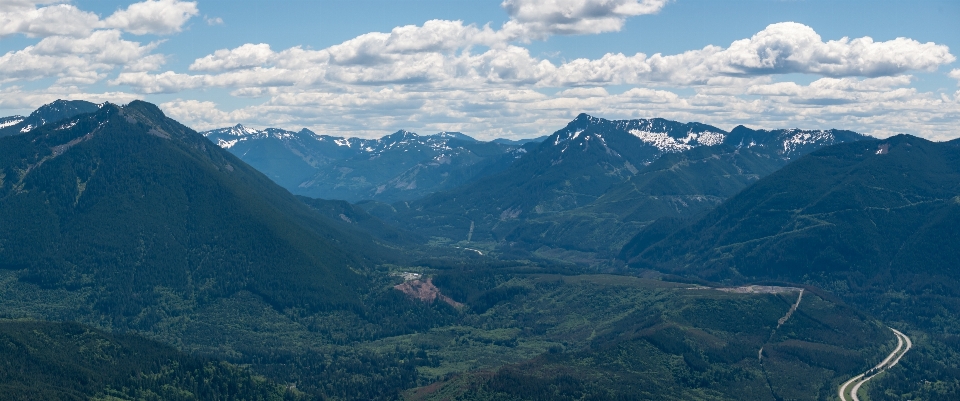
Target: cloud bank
(483, 80)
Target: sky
(502, 68)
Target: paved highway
(903, 345)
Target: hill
(675, 186)
(405, 166)
(681, 185)
(127, 220)
(352, 218)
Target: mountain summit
(48, 113)
(573, 167)
(136, 207)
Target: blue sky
(515, 68)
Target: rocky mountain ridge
(48, 113)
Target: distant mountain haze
(399, 166)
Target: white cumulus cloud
(77, 60)
(790, 47)
(246, 56)
(877, 106)
(151, 16)
(160, 17)
(59, 19)
(537, 19)
(438, 54)
(955, 74)
(77, 48)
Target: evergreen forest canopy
(650, 259)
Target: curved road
(891, 361)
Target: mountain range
(592, 185)
(597, 179)
(399, 166)
(612, 259)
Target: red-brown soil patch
(425, 291)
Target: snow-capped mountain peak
(664, 135)
(48, 113)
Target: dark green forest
(67, 361)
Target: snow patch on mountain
(67, 125)
(11, 121)
(227, 144)
(239, 131)
(708, 138)
(660, 140)
(566, 136)
(667, 143)
(796, 138)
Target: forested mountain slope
(874, 222)
(130, 204)
(873, 212)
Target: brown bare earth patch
(425, 291)
(759, 289)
